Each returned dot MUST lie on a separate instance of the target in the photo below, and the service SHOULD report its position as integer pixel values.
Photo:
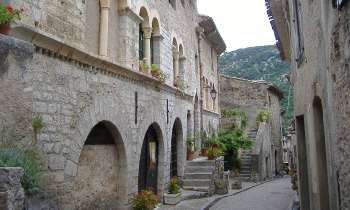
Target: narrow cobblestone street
(275, 195)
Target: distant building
(254, 97)
(314, 37)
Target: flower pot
(189, 155)
(211, 157)
(155, 73)
(172, 199)
(204, 152)
(5, 29)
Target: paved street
(275, 195)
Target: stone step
(196, 182)
(199, 169)
(194, 188)
(245, 171)
(246, 167)
(189, 195)
(197, 175)
(244, 175)
(200, 163)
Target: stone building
(253, 97)
(111, 129)
(314, 37)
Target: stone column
(147, 44)
(181, 71)
(176, 63)
(105, 5)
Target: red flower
(9, 8)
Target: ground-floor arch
(150, 160)
(176, 148)
(101, 181)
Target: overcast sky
(242, 23)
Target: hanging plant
(7, 15)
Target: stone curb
(213, 202)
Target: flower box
(172, 199)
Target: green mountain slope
(261, 63)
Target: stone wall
(253, 97)
(321, 92)
(249, 96)
(72, 98)
(11, 191)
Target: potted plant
(180, 83)
(173, 196)
(221, 187)
(8, 15)
(155, 70)
(205, 144)
(145, 200)
(144, 66)
(214, 152)
(162, 77)
(190, 148)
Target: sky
(241, 23)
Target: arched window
(145, 33)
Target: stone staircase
(246, 158)
(198, 175)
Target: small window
(173, 3)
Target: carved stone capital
(147, 32)
(105, 3)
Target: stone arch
(321, 153)
(101, 169)
(144, 13)
(151, 170)
(177, 149)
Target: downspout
(199, 34)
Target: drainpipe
(200, 31)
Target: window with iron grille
(299, 44)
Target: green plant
(174, 187)
(236, 112)
(220, 184)
(180, 83)
(190, 144)
(30, 162)
(38, 125)
(8, 14)
(234, 163)
(214, 152)
(145, 200)
(154, 67)
(162, 77)
(234, 139)
(263, 116)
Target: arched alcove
(155, 42)
(101, 180)
(151, 160)
(176, 149)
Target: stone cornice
(205, 111)
(50, 46)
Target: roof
(270, 86)
(212, 33)
(279, 22)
